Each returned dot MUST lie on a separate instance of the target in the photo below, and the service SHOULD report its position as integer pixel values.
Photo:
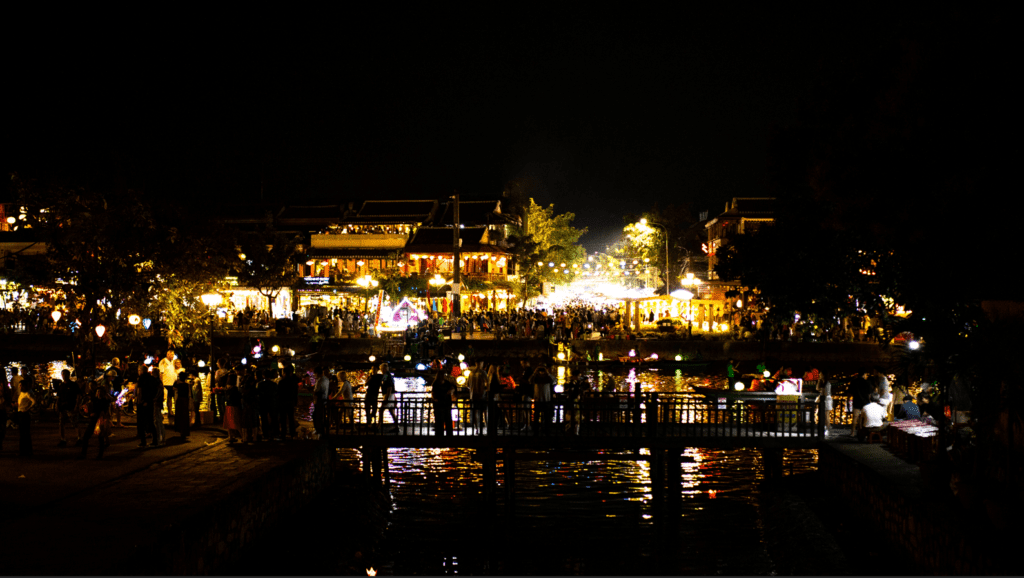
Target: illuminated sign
(316, 280)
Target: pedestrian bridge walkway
(606, 420)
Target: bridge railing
(612, 414)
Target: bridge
(597, 426)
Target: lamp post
(366, 282)
(644, 222)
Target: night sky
(607, 113)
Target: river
(573, 518)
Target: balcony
(360, 241)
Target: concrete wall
(926, 527)
(215, 536)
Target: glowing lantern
(371, 572)
(632, 353)
(56, 315)
(739, 386)
(134, 319)
(461, 380)
(561, 356)
(201, 363)
(913, 345)
(146, 323)
(679, 357)
(100, 330)
(407, 357)
(373, 358)
(462, 357)
(276, 349)
(767, 373)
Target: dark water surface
(576, 518)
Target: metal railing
(593, 414)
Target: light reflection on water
(565, 512)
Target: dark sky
(611, 113)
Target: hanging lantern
(56, 315)
(100, 330)
(134, 319)
(146, 323)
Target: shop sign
(316, 280)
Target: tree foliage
(270, 263)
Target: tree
(551, 239)
(267, 262)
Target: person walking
(320, 392)
(232, 397)
(345, 395)
(266, 391)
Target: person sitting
(908, 409)
(872, 417)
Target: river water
(576, 518)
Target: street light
(645, 223)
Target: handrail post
(492, 419)
(651, 404)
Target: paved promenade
(58, 509)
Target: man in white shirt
(873, 418)
(168, 375)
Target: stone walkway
(60, 512)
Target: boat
(716, 394)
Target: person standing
(147, 390)
(860, 390)
(68, 393)
(196, 382)
(321, 389)
(288, 399)
(441, 394)
(266, 391)
(543, 386)
(478, 397)
(24, 421)
(158, 414)
(182, 401)
(732, 373)
(884, 391)
(250, 402)
(168, 375)
(344, 394)
(220, 381)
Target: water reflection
(570, 517)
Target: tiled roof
(418, 211)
